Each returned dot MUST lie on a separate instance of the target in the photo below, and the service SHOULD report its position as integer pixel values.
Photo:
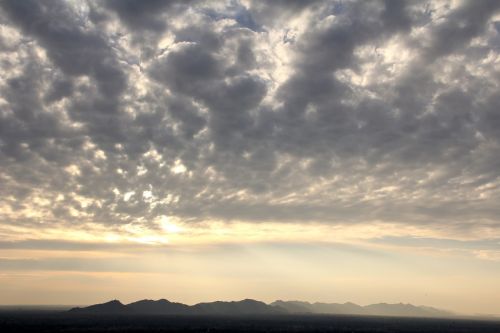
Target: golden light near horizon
(327, 151)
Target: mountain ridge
(348, 308)
(254, 307)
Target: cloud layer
(335, 112)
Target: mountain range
(253, 307)
(379, 309)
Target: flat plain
(53, 321)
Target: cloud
(64, 245)
(138, 15)
(121, 112)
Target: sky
(325, 151)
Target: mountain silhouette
(297, 307)
(380, 309)
(165, 307)
(246, 306)
(406, 310)
(253, 307)
(111, 307)
(161, 306)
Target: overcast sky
(317, 150)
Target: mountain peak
(161, 306)
(111, 307)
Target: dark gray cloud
(70, 46)
(338, 112)
(459, 27)
(149, 15)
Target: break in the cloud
(134, 120)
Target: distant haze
(254, 307)
(329, 151)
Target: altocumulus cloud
(335, 112)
